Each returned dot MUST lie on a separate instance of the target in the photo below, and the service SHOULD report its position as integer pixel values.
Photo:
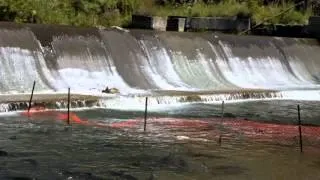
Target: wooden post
(145, 115)
(299, 124)
(29, 107)
(222, 116)
(68, 120)
(222, 113)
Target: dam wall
(233, 25)
(135, 61)
(180, 23)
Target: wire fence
(220, 129)
(224, 129)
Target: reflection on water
(112, 145)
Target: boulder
(114, 90)
(111, 91)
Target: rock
(114, 90)
(231, 170)
(128, 177)
(152, 177)
(20, 178)
(191, 98)
(31, 162)
(3, 153)
(174, 162)
(230, 115)
(80, 175)
(182, 137)
(13, 137)
(111, 91)
(122, 175)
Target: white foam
(18, 69)
(182, 137)
(264, 73)
(310, 95)
(160, 68)
(91, 82)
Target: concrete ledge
(290, 31)
(159, 23)
(149, 22)
(211, 23)
(224, 24)
(176, 23)
(265, 29)
(314, 20)
(313, 28)
(141, 22)
(281, 30)
(243, 24)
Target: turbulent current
(135, 61)
(110, 137)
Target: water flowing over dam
(89, 59)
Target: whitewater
(148, 63)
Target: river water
(179, 143)
(186, 76)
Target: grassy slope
(118, 12)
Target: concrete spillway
(89, 59)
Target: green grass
(258, 13)
(269, 14)
(226, 8)
(118, 12)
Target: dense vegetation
(118, 12)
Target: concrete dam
(136, 61)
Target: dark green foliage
(118, 12)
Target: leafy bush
(118, 12)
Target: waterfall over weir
(139, 61)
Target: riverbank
(119, 12)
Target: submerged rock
(114, 91)
(13, 137)
(230, 115)
(191, 98)
(111, 90)
(80, 175)
(152, 177)
(122, 175)
(31, 161)
(3, 153)
(173, 162)
(226, 169)
(19, 178)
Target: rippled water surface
(192, 142)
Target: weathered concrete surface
(211, 23)
(280, 30)
(141, 22)
(179, 23)
(224, 24)
(149, 22)
(138, 61)
(290, 31)
(243, 24)
(159, 23)
(313, 28)
(176, 23)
